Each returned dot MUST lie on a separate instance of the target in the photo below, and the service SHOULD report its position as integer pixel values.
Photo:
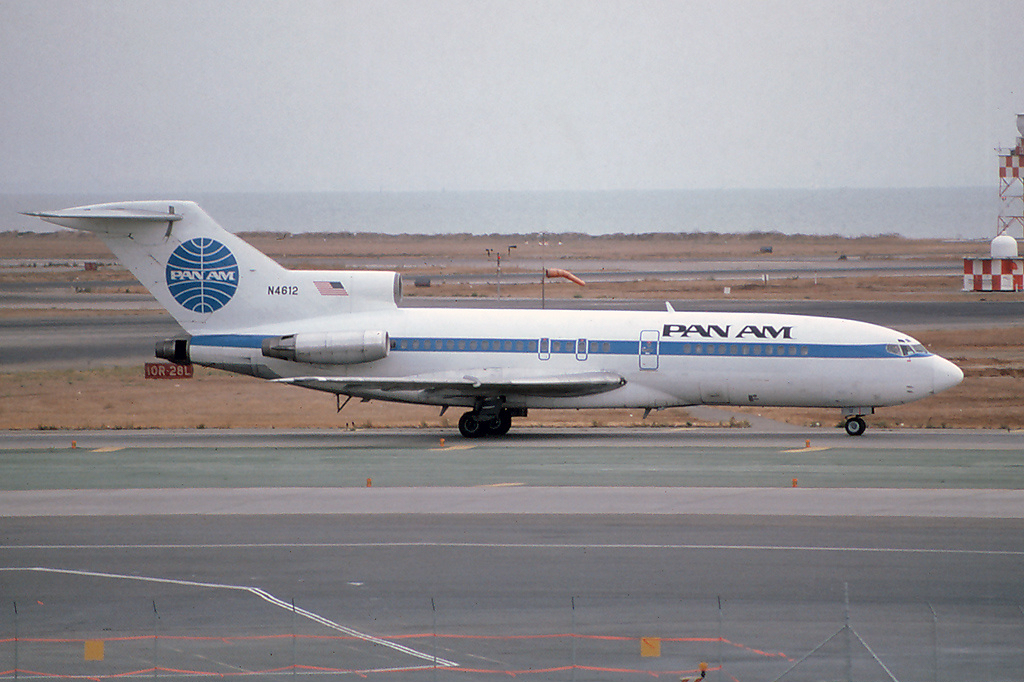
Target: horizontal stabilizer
(567, 385)
(81, 218)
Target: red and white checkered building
(993, 274)
(1003, 271)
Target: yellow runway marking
(110, 449)
(816, 449)
(453, 447)
(499, 485)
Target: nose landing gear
(855, 426)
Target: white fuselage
(667, 358)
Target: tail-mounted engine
(329, 348)
(174, 350)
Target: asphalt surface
(535, 594)
(934, 459)
(184, 555)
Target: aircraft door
(649, 342)
(581, 349)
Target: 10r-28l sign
(166, 370)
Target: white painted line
(502, 545)
(748, 501)
(262, 594)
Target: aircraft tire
(470, 426)
(855, 426)
(501, 425)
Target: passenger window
(792, 350)
(519, 345)
(686, 348)
(804, 350)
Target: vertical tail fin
(202, 274)
(211, 281)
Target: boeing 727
(345, 332)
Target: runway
(556, 554)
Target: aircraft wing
(484, 383)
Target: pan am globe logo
(202, 275)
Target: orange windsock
(558, 272)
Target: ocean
(949, 213)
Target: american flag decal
(330, 288)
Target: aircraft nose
(945, 374)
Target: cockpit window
(906, 349)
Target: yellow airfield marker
(94, 649)
(650, 647)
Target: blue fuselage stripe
(534, 346)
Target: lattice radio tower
(1011, 186)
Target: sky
(149, 96)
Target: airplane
(345, 332)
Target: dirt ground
(120, 398)
(702, 246)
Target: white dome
(1004, 246)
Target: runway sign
(167, 370)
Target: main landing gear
(473, 425)
(490, 418)
(855, 426)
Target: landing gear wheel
(501, 425)
(470, 426)
(855, 426)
